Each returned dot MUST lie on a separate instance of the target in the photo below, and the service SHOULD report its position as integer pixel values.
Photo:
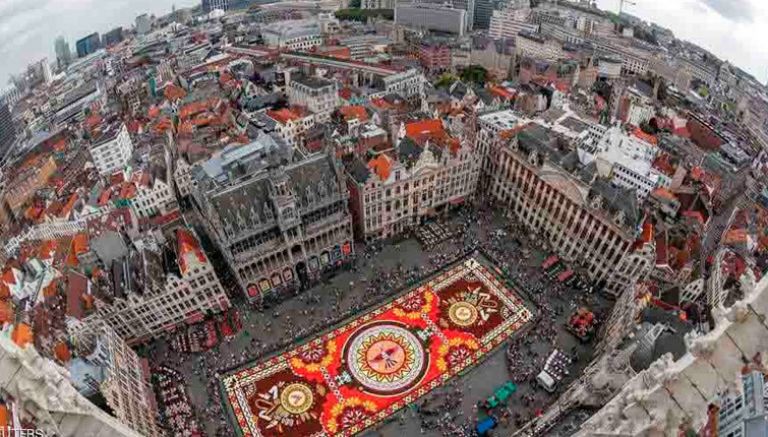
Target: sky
(734, 30)
(28, 28)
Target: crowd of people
(270, 329)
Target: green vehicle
(500, 395)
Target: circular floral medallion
(296, 398)
(385, 358)
(463, 313)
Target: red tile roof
(187, 244)
(646, 236)
(78, 246)
(380, 103)
(644, 136)
(128, 190)
(424, 127)
(351, 112)
(22, 334)
(67, 208)
(501, 92)
(663, 193)
(77, 286)
(173, 92)
(284, 115)
(52, 289)
(663, 164)
(431, 130)
(6, 311)
(5, 418)
(61, 352)
(47, 249)
(381, 165)
(697, 173)
(345, 93)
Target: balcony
(257, 251)
(321, 224)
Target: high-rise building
(110, 374)
(63, 54)
(210, 5)
(508, 23)
(88, 45)
(143, 24)
(432, 17)
(111, 148)
(41, 395)
(114, 36)
(483, 12)
(469, 6)
(7, 129)
(744, 415)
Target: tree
(364, 14)
(445, 80)
(475, 74)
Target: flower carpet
(362, 372)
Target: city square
(366, 370)
(383, 272)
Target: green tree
(363, 14)
(475, 74)
(445, 80)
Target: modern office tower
(88, 45)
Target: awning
(564, 276)
(549, 262)
(457, 201)
(195, 317)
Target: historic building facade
(427, 172)
(279, 227)
(141, 300)
(584, 218)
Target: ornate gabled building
(427, 172)
(584, 218)
(150, 291)
(279, 223)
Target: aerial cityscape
(316, 218)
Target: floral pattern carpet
(358, 374)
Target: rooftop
(313, 81)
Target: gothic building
(279, 218)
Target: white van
(546, 381)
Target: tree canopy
(355, 14)
(474, 73)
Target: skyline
(28, 28)
(729, 29)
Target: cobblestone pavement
(345, 293)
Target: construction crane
(621, 5)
